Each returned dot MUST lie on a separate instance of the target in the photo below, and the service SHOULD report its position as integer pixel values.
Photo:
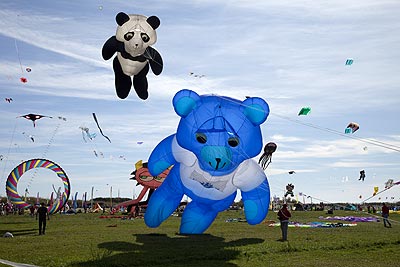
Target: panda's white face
(136, 34)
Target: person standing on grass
(43, 213)
(32, 210)
(385, 215)
(283, 216)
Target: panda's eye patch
(233, 141)
(129, 35)
(201, 138)
(145, 37)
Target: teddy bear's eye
(129, 35)
(201, 138)
(145, 37)
(233, 141)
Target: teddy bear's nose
(218, 160)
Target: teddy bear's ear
(185, 101)
(121, 18)
(153, 21)
(255, 109)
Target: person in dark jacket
(385, 215)
(43, 213)
(283, 216)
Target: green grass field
(86, 240)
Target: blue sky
(291, 53)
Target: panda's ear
(255, 109)
(153, 21)
(185, 101)
(121, 18)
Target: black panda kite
(132, 43)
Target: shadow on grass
(14, 223)
(162, 250)
(20, 232)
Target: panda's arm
(155, 60)
(110, 47)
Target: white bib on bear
(247, 176)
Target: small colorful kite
(85, 131)
(362, 175)
(304, 111)
(349, 61)
(265, 158)
(98, 126)
(376, 189)
(196, 75)
(31, 137)
(352, 127)
(389, 183)
(15, 175)
(289, 190)
(33, 117)
(23, 80)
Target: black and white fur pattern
(132, 43)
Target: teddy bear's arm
(110, 47)
(161, 157)
(248, 175)
(155, 60)
(256, 203)
(253, 183)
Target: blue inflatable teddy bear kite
(211, 153)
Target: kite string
(51, 140)
(44, 153)
(150, 56)
(335, 204)
(8, 152)
(377, 194)
(19, 59)
(363, 212)
(365, 140)
(373, 142)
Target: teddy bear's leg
(256, 203)
(140, 83)
(198, 216)
(165, 199)
(123, 82)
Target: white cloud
(291, 53)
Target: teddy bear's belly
(204, 185)
(130, 67)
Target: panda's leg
(140, 83)
(123, 82)
(165, 199)
(198, 216)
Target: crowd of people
(9, 208)
(284, 214)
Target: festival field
(87, 240)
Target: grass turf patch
(86, 240)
